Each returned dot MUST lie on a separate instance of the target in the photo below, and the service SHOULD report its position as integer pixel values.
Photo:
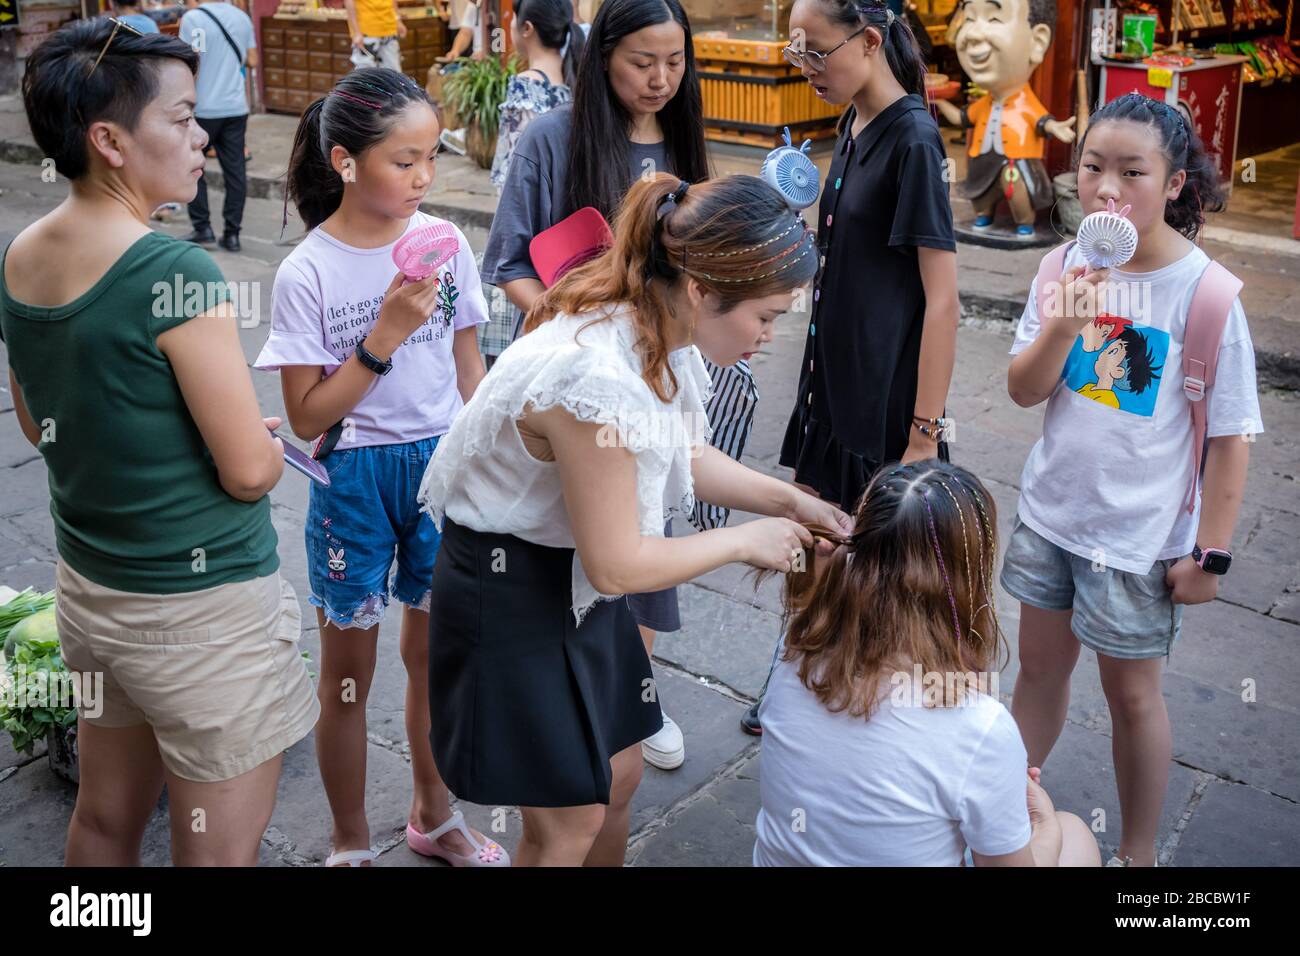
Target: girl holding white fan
(1137, 342)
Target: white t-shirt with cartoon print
(1109, 478)
(327, 297)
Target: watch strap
(1212, 560)
(372, 361)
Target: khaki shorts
(217, 673)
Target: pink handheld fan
(421, 252)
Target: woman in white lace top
(552, 489)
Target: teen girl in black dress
(881, 341)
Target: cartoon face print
(1101, 330)
(337, 564)
(1110, 365)
(1117, 364)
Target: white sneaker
(666, 749)
(453, 140)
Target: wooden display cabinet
(302, 58)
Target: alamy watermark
(54, 689)
(921, 688)
(191, 297)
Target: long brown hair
(735, 236)
(913, 585)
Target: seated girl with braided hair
(884, 742)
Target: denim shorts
(1116, 613)
(363, 523)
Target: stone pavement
(1234, 795)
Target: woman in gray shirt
(636, 111)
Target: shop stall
(306, 49)
(750, 92)
(1231, 65)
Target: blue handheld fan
(792, 174)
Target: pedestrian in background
(222, 34)
(550, 43)
(128, 11)
(375, 27)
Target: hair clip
(356, 99)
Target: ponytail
(573, 53)
(556, 28)
(312, 184)
(735, 236)
(1182, 149)
(358, 113)
(896, 37)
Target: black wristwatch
(1212, 560)
(372, 361)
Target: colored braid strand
(764, 275)
(938, 553)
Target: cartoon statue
(999, 43)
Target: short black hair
(64, 93)
(1139, 358)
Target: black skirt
(526, 706)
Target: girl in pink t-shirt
(378, 369)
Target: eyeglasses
(117, 24)
(815, 60)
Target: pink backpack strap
(1049, 270)
(1207, 316)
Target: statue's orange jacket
(1022, 114)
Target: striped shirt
(731, 416)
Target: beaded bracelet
(932, 427)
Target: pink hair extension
(356, 99)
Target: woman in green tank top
(128, 377)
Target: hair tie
(669, 202)
(659, 264)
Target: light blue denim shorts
(1116, 613)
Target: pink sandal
(489, 853)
